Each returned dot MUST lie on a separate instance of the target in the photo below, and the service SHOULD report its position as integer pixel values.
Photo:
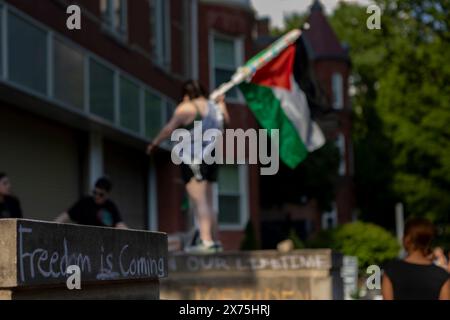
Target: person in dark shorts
(9, 205)
(416, 277)
(198, 175)
(96, 210)
(209, 172)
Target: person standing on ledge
(96, 210)
(416, 277)
(198, 178)
(9, 205)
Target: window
(329, 219)
(68, 74)
(101, 90)
(227, 56)
(338, 91)
(232, 197)
(114, 16)
(160, 31)
(27, 52)
(153, 114)
(129, 105)
(340, 144)
(170, 110)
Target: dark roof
(321, 37)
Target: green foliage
(401, 111)
(298, 244)
(401, 134)
(250, 241)
(370, 243)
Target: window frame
(239, 57)
(108, 25)
(132, 82)
(244, 209)
(79, 50)
(162, 46)
(7, 11)
(52, 35)
(341, 144)
(337, 90)
(330, 215)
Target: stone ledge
(255, 275)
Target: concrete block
(257, 275)
(34, 257)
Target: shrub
(298, 243)
(370, 243)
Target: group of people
(94, 210)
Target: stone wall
(258, 275)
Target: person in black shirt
(9, 205)
(416, 277)
(96, 210)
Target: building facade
(79, 104)
(332, 67)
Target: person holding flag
(268, 83)
(197, 175)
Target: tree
(413, 101)
(401, 77)
(401, 108)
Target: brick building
(332, 66)
(329, 67)
(77, 104)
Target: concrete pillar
(152, 198)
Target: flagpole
(248, 70)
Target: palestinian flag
(277, 102)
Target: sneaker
(201, 248)
(218, 246)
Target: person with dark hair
(416, 277)
(9, 205)
(95, 210)
(197, 175)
